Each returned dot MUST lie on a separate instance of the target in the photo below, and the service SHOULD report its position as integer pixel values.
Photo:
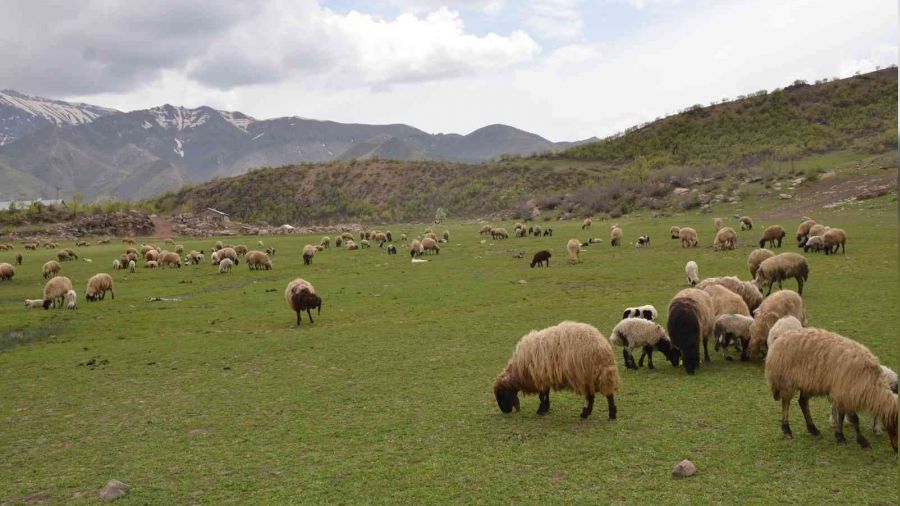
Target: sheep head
(506, 393)
(665, 347)
(47, 303)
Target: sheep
(814, 243)
(773, 235)
(179, 248)
(364, 243)
(347, 236)
(63, 256)
(783, 303)
(271, 251)
(757, 257)
(725, 301)
(31, 246)
(34, 303)
(71, 300)
(241, 250)
(430, 245)
(55, 291)
(717, 223)
(229, 253)
(540, 258)
(170, 241)
(391, 249)
(152, 255)
(691, 319)
(615, 236)
(816, 362)
(97, 286)
(781, 267)
(309, 251)
(735, 328)
(521, 232)
(574, 248)
(338, 241)
(51, 269)
(151, 264)
(688, 237)
(147, 247)
(634, 333)
(891, 377)
(647, 312)
(117, 265)
(403, 237)
(643, 242)
(446, 236)
(351, 246)
(674, 232)
(132, 265)
(325, 241)
(18, 259)
(803, 230)
(7, 271)
(782, 325)
(548, 232)
(169, 259)
(746, 289)
(257, 260)
(195, 257)
(726, 239)
(225, 265)
(301, 296)
(817, 229)
(746, 223)
(834, 239)
(537, 231)
(415, 248)
(499, 233)
(567, 356)
(586, 223)
(380, 238)
(259, 244)
(389, 236)
(691, 270)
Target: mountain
(22, 114)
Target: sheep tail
(609, 380)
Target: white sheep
(71, 300)
(225, 265)
(34, 303)
(733, 328)
(691, 270)
(634, 333)
(131, 266)
(117, 265)
(782, 325)
(647, 312)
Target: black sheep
(392, 250)
(304, 300)
(540, 257)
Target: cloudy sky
(565, 69)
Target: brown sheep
(430, 245)
(151, 264)
(757, 257)
(55, 291)
(781, 267)
(725, 301)
(817, 229)
(573, 247)
(783, 303)
(7, 271)
(18, 259)
(97, 287)
(241, 249)
(834, 239)
(746, 289)
(151, 255)
(51, 269)
(746, 223)
(773, 235)
(169, 259)
(499, 233)
(803, 230)
(691, 320)
(540, 258)
(309, 251)
(615, 236)
(228, 252)
(725, 239)
(257, 260)
(485, 229)
(815, 362)
(688, 237)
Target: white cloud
(555, 19)
(492, 7)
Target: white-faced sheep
(309, 251)
(816, 362)
(691, 270)
(225, 265)
(573, 247)
(301, 296)
(568, 356)
(691, 320)
(746, 223)
(726, 239)
(257, 260)
(833, 240)
(169, 259)
(803, 230)
(733, 328)
(782, 267)
(117, 265)
(674, 231)
(746, 289)
(647, 312)
(615, 236)
(688, 237)
(51, 268)
(55, 291)
(757, 257)
(782, 325)
(717, 223)
(540, 258)
(775, 307)
(132, 265)
(586, 223)
(415, 248)
(634, 333)
(97, 286)
(7, 271)
(429, 245)
(891, 377)
(772, 235)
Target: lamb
(574, 248)
(169, 259)
(781, 267)
(773, 235)
(746, 289)
(131, 266)
(816, 362)
(717, 223)
(55, 291)
(540, 258)
(51, 269)
(891, 377)
(151, 264)
(548, 232)
(691, 270)
(643, 242)
(586, 223)
(309, 251)
(735, 328)
(301, 296)
(499, 233)
(225, 265)
(485, 229)
(391, 249)
(229, 253)
(537, 231)
(18, 259)
(97, 286)
(7, 271)
(691, 319)
(415, 248)
(688, 237)
(615, 236)
(117, 265)
(430, 245)
(34, 303)
(647, 312)
(814, 243)
(674, 232)
(71, 300)
(325, 241)
(833, 239)
(446, 236)
(567, 356)
(785, 324)
(803, 230)
(726, 239)
(746, 223)
(757, 257)
(783, 303)
(634, 333)
(257, 260)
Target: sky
(564, 69)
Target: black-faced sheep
(634, 333)
(688, 237)
(691, 320)
(775, 307)
(803, 230)
(568, 356)
(338, 241)
(746, 289)
(301, 296)
(647, 312)
(733, 328)
(309, 251)
(674, 232)
(615, 236)
(726, 239)
(415, 248)
(691, 270)
(573, 247)
(772, 235)
(833, 240)
(389, 236)
(97, 286)
(757, 257)
(586, 223)
(391, 249)
(50, 269)
(540, 258)
(816, 362)
(548, 232)
(55, 291)
(746, 223)
(781, 267)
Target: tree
(638, 170)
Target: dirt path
(161, 227)
(812, 197)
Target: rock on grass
(113, 490)
(684, 469)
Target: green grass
(218, 398)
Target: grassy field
(219, 398)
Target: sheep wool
(51, 268)
(725, 301)
(7, 271)
(781, 326)
(429, 245)
(772, 235)
(783, 303)
(634, 333)
(97, 286)
(55, 291)
(691, 320)
(746, 289)
(691, 270)
(688, 237)
(781, 267)
(725, 239)
(573, 247)
(757, 257)
(568, 356)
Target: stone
(785, 196)
(684, 469)
(680, 191)
(113, 490)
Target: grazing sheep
(170, 241)
(537, 231)
(271, 251)
(415, 248)
(615, 236)
(746, 289)
(18, 259)
(674, 232)
(726, 239)
(647, 312)
(179, 248)
(391, 249)
(51, 269)
(781, 267)
(568, 356)
(63, 256)
(364, 243)
(834, 239)
(260, 244)
(717, 223)
(725, 301)
(55, 291)
(691, 270)
(818, 229)
(169, 259)
(785, 324)
(390, 237)
(803, 230)
(815, 244)
(147, 247)
(586, 223)
(241, 250)
(783, 303)
(891, 377)
(688, 237)
(746, 223)
(301, 296)
(309, 251)
(152, 255)
(97, 287)
(403, 237)
(773, 235)
(347, 236)
(548, 232)
(34, 303)
(225, 265)
(816, 362)
(7, 271)
(446, 236)
(540, 258)
(574, 248)
(229, 253)
(499, 233)
(735, 328)
(430, 245)
(325, 242)
(338, 241)
(351, 246)
(643, 242)
(195, 257)
(117, 265)
(151, 264)
(71, 300)
(257, 260)
(485, 229)
(521, 232)
(691, 320)
(380, 238)
(132, 265)
(31, 246)
(757, 257)
(634, 333)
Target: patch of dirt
(811, 198)
(162, 227)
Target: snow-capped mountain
(22, 114)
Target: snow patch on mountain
(240, 120)
(55, 111)
(179, 147)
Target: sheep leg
(298, 317)
(839, 428)
(611, 404)
(586, 412)
(629, 360)
(876, 426)
(785, 425)
(309, 313)
(854, 420)
(545, 402)
(804, 407)
(706, 350)
(745, 345)
(799, 285)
